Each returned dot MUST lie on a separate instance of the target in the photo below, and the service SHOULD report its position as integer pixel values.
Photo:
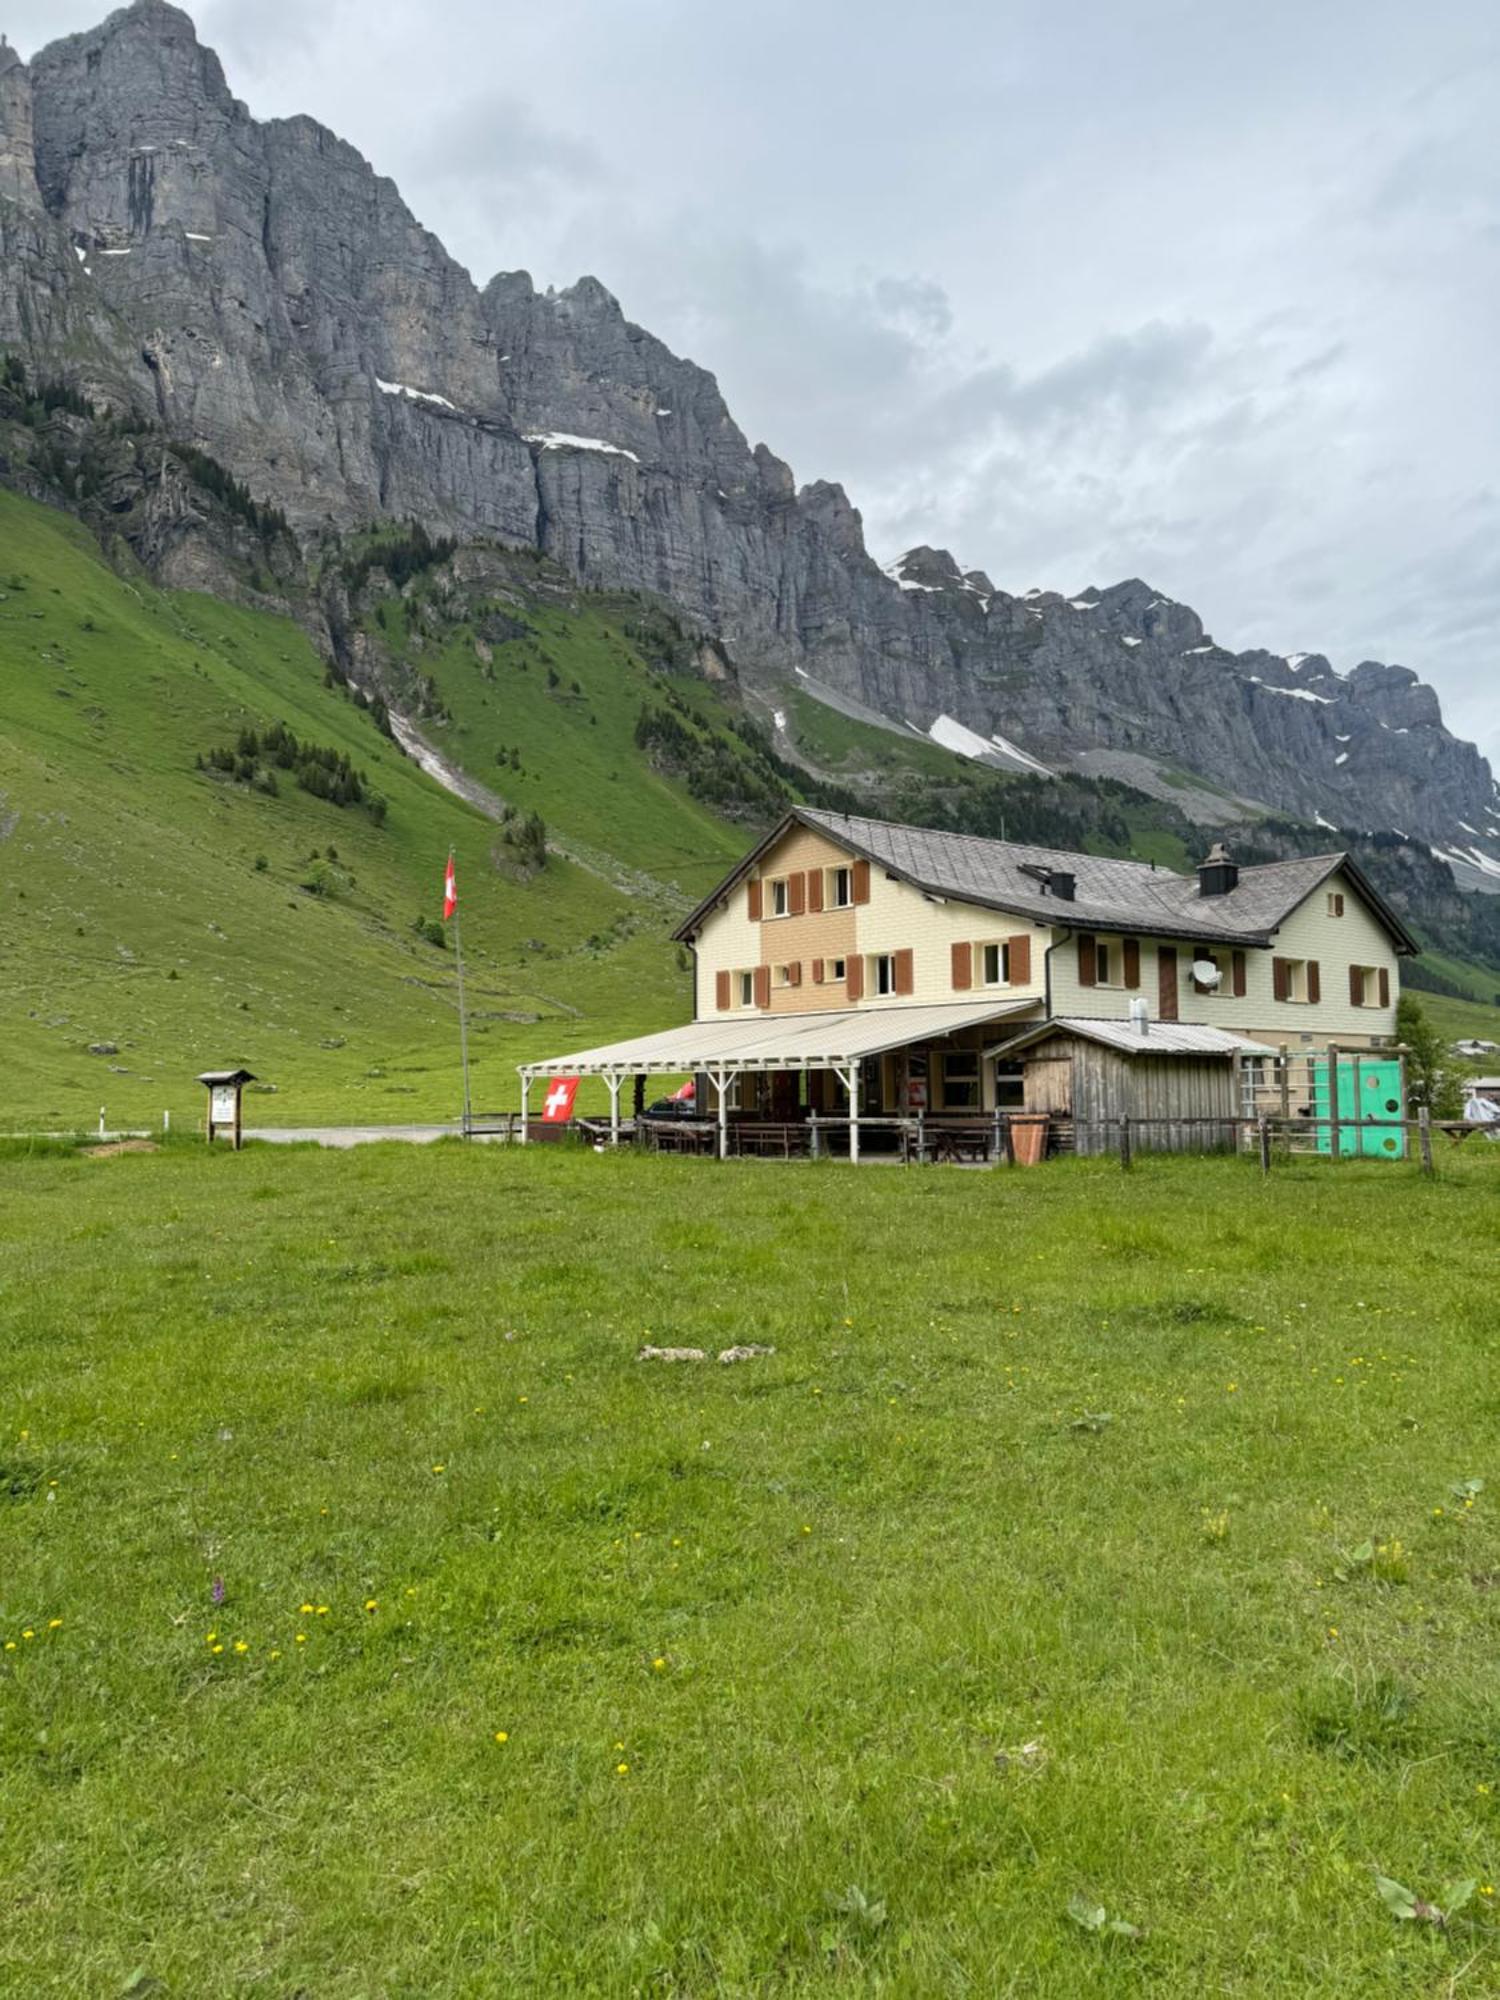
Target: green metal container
(1369, 1098)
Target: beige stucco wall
(1309, 933)
(896, 918)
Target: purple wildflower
(217, 1593)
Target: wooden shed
(1171, 1079)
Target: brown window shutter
(762, 985)
(1356, 986)
(752, 900)
(1132, 962)
(860, 881)
(906, 972)
(817, 972)
(722, 991)
(855, 979)
(1385, 986)
(1338, 906)
(1237, 975)
(1020, 960)
(1314, 981)
(1166, 981)
(1088, 959)
(814, 889)
(1280, 984)
(794, 973)
(963, 967)
(796, 894)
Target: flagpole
(463, 1018)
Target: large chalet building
(897, 968)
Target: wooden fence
(918, 1140)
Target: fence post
(1125, 1161)
(1265, 1145)
(812, 1135)
(1335, 1123)
(921, 1138)
(1424, 1133)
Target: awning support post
(719, 1078)
(525, 1094)
(849, 1078)
(613, 1080)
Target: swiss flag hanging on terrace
(450, 891)
(558, 1108)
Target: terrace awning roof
(825, 1040)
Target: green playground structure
(1369, 1109)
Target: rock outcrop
(261, 292)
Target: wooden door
(1166, 976)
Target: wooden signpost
(225, 1087)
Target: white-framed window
(1335, 902)
(883, 972)
(836, 969)
(781, 975)
(960, 1070)
(840, 887)
(744, 983)
(994, 964)
(1010, 1086)
(1364, 985)
(780, 900)
(1106, 963)
(1296, 979)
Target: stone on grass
(744, 1353)
(671, 1354)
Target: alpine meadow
(738, 1262)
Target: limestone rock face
(261, 291)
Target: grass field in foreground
(1087, 1536)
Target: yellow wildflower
(622, 1770)
(659, 1665)
(502, 1736)
(242, 1645)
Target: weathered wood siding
(1098, 1085)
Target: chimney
(1062, 884)
(1140, 1018)
(1217, 874)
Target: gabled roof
(1160, 1038)
(1109, 894)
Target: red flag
(558, 1108)
(450, 891)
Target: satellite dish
(1206, 973)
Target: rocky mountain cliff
(259, 291)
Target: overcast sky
(1195, 291)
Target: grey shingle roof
(1110, 894)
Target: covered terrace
(729, 1048)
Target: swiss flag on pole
(450, 891)
(558, 1108)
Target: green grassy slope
(899, 767)
(578, 764)
(884, 1609)
(132, 910)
